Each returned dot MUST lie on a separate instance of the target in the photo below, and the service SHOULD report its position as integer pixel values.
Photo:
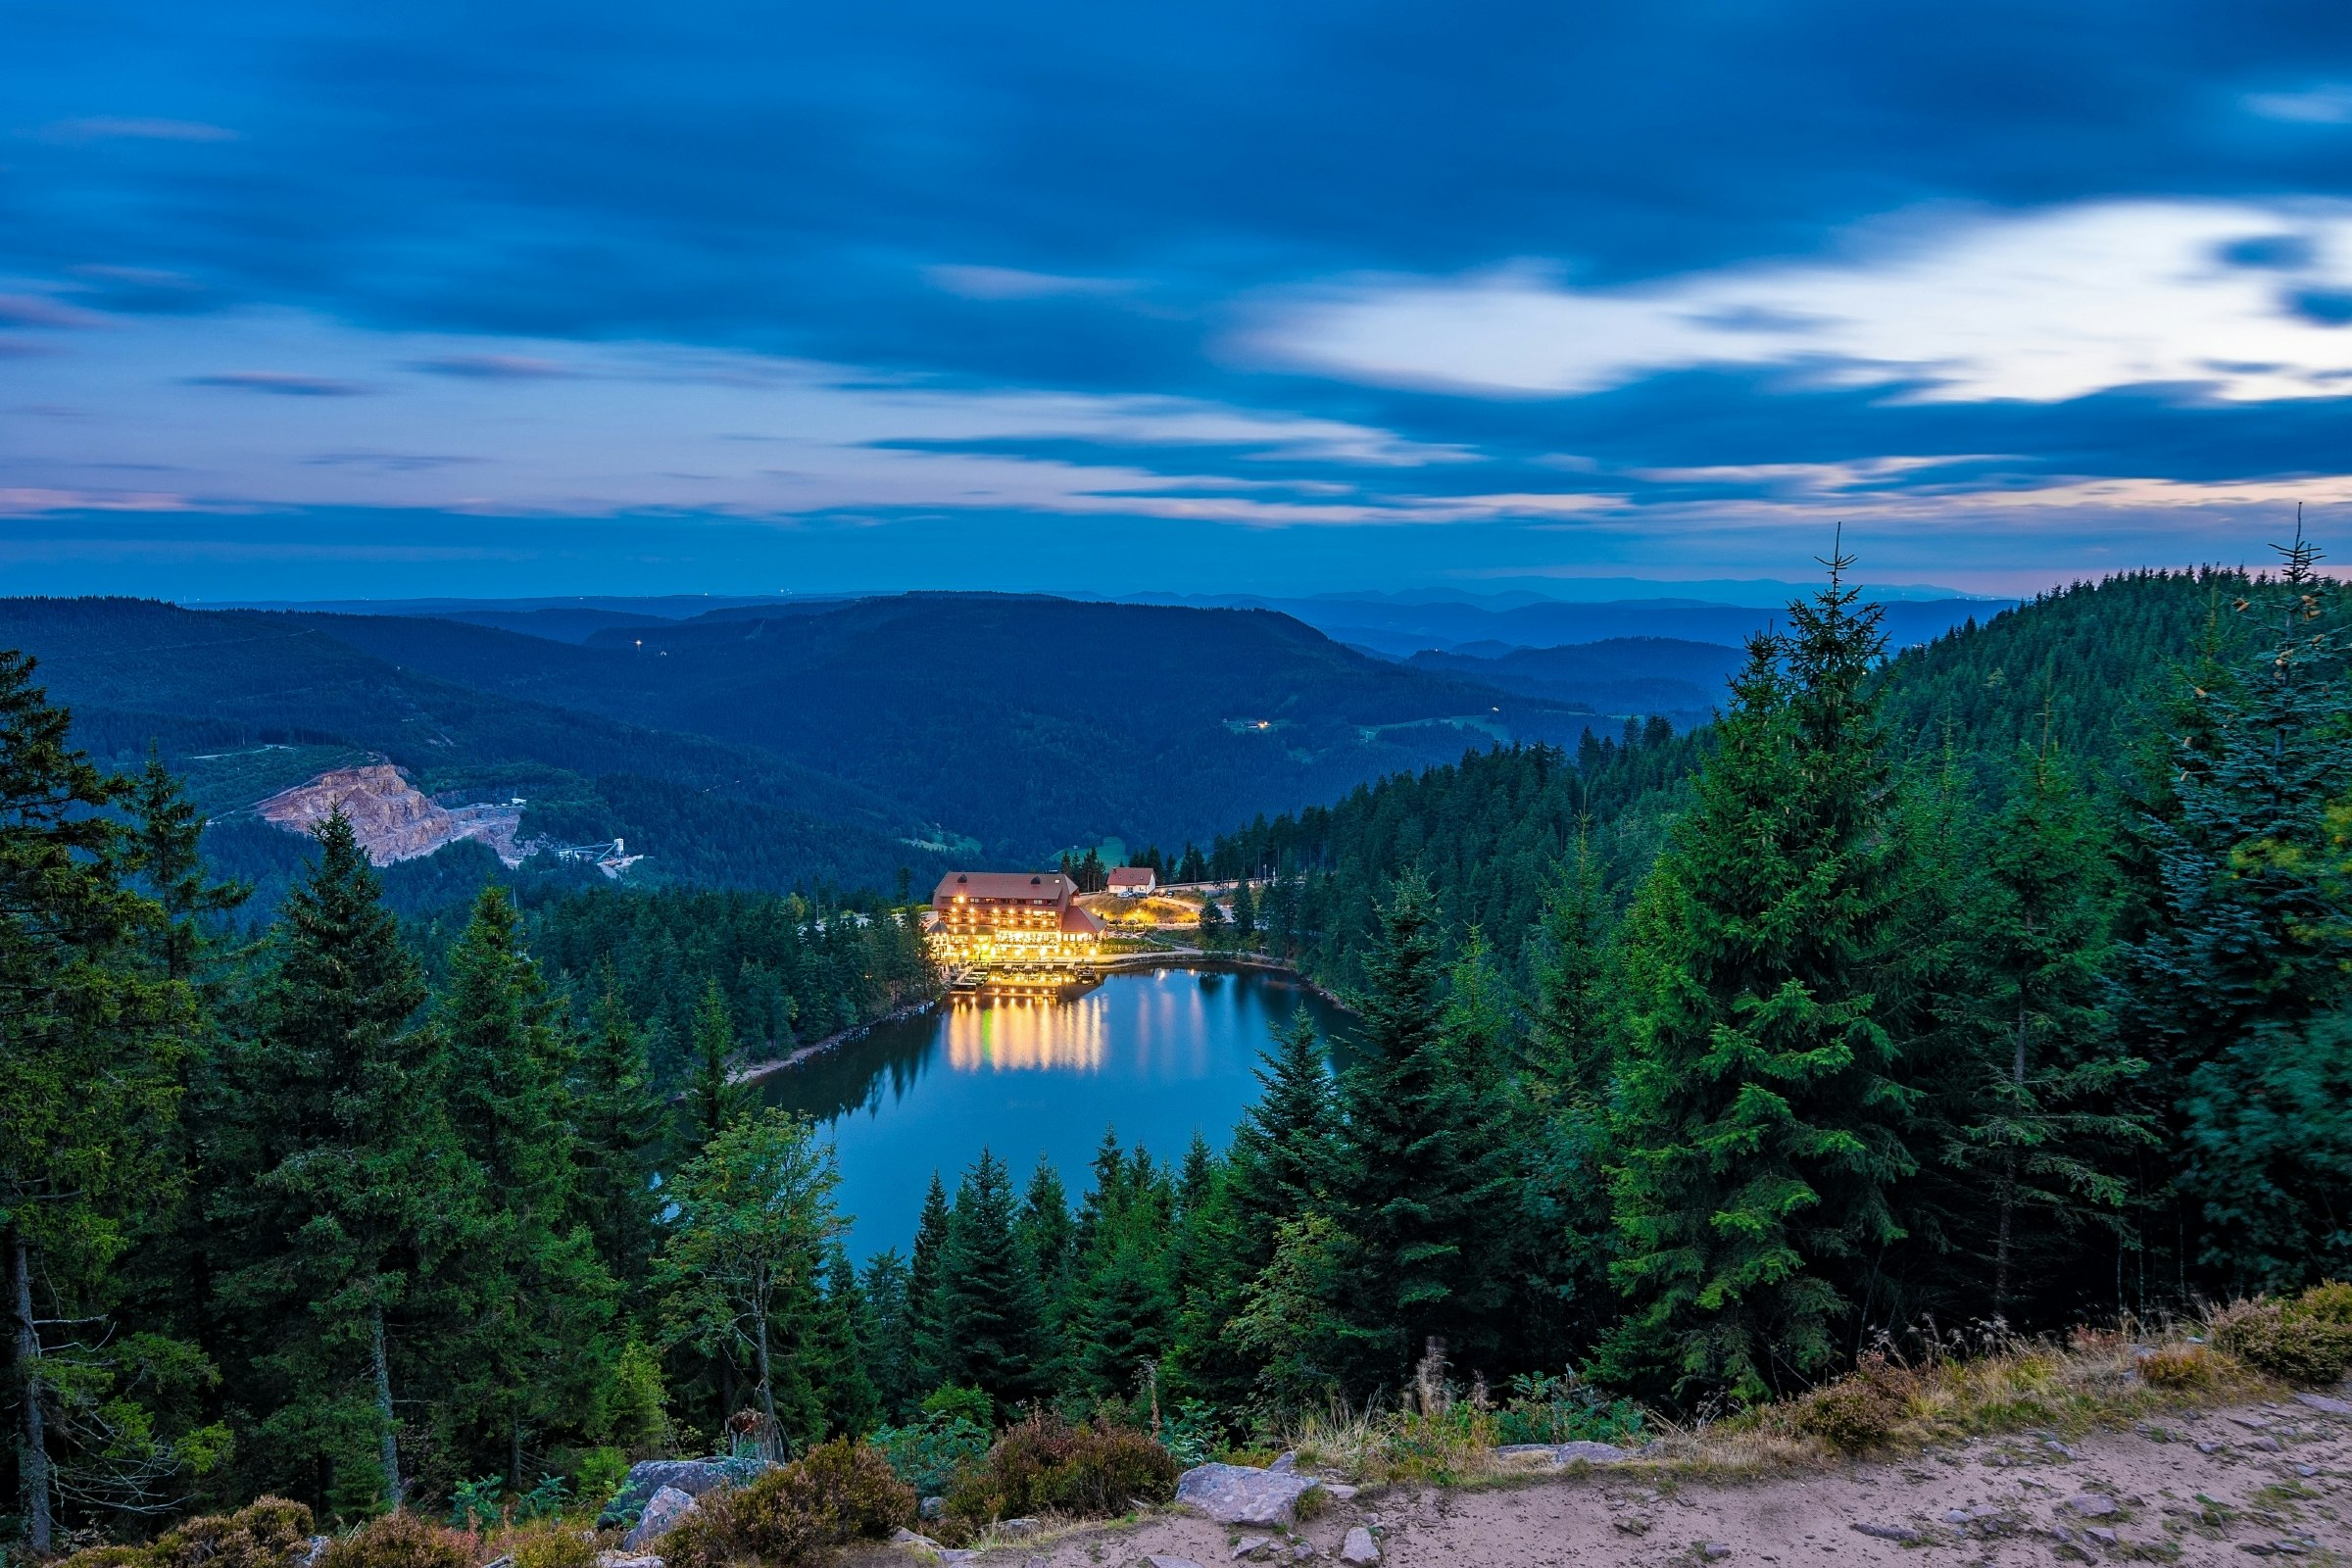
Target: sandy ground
(2211, 1488)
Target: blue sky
(430, 298)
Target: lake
(1158, 1054)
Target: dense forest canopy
(2008, 980)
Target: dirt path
(2207, 1488)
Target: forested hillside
(1695, 1067)
(1027, 724)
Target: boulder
(2089, 1505)
(693, 1477)
(662, 1513)
(1243, 1494)
(2323, 1401)
(1170, 1563)
(1902, 1532)
(1359, 1547)
(621, 1559)
(1250, 1546)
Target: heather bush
(2177, 1367)
(1044, 1464)
(837, 1492)
(549, 1544)
(264, 1533)
(1859, 1411)
(399, 1540)
(2308, 1340)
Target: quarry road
(2217, 1486)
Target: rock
(1018, 1529)
(1170, 1563)
(903, 1537)
(2100, 1534)
(693, 1477)
(1359, 1547)
(2090, 1504)
(1714, 1551)
(391, 820)
(2252, 1423)
(2268, 1445)
(1339, 1491)
(1301, 1551)
(667, 1506)
(2256, 1548)
(1885, 1531)
(1243, 1494)
(312, 1551)
(1286, 1464)
(2209, 1448)
(932, 1507)
(1250, 1546)
(2327, 1402)
(2059, 1448)
(621, 1559)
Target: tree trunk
(767, 1388)
(32, 1454)
(390, 1440)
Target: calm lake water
(1157, 1055)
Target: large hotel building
(1016, 920)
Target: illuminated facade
(989, 925)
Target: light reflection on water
(1157, 1055)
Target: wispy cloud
(282, 383)
(34, 310)
(496, 367)
(1013, 283)
(2038, 307)
(110, 128)
(2327, 105)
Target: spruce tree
(890, 1354)
(1282, 1145)
(166, 858)
(535, 1346)
(1413, 1187)
(988, 1312)
(2046, 1122)
(94, 1033)
(1573, 1019)
(1763, 1129)
(713, 1099)
(925, 1279)
(345, 1190)
(622, 1120)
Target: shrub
(400, 1541)
(264, 1533)
(2308, 1340)
(599, 1473)
(550, 1545)
(930, 1456)
(2184, 1367)
(947, 1402)
(838, 1492)
(1859, 1411)
(1564, 1409)
(1046, 1465)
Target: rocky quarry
(391, 818)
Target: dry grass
(1947, 1391)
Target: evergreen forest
(2005, 981)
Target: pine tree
(890, 1354)
(165, 859)
(1047, 1242)
(1412, 1188)
(988, 1304)
(1245, 917)
(1213, 923)
(925, 1296)
(2246, 958)
(713, 1099)
(1764, 1128)
(2046, 1124)
(621, 1122)
(535, 1346)
(93, 1036)
(345, 1188)
(1573, 1018)
(1282, 1146)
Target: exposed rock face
(647, 1476)
(390, 818)
(667, 1506)
(1241, 1495)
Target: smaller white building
(1132, 881)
